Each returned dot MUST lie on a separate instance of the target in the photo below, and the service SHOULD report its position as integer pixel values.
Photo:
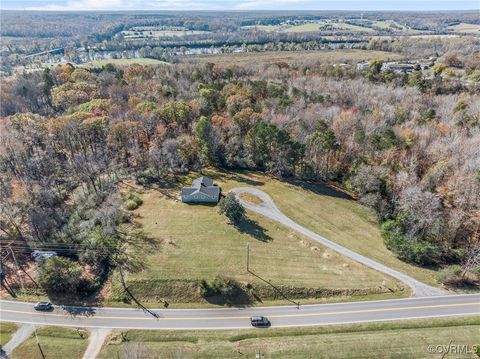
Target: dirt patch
(327, 255)
(248, 197)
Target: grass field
(196, 243)
(329, 214)
(6, 332)
(128, 34)
(56, 343)
(268, 28)
(123, 62)
(327, 56)
(95, 63)
(466, 28)
(311, 27)
(409, 339)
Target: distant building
(398, 67)
(41, 256)
(362, 66)
(202, 191)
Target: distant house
(398, 67)
(202, 191)
(362, 66)
(41, 256)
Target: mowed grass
(310, 27)
(97, 63)
(129, 34)
(323, 26)
(328, 213)
(251, 198)
(195, 243)
(6, 332)
(466, 28)
(404, 339)
(56, 343)
(268, 28)
(123, 62)
(326, 56)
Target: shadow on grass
(230, 175)
(8, 288)
(278, 290)
(76, 304)
(201, 204)
(319, 188)
(246, 180)
(240, 299)
(253, 229)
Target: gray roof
(202, 185)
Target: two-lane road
(237, 318)
(430, 302)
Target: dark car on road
(44, 306)
(259, 321)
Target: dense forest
(405, 145)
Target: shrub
(230, 207)
(95, 104)
(60, 275)
(131, 205)
(410, 250)
(147, 106)
(475, 75)
(476, 271)
(451, 275)
(132, 201)
(224, 286)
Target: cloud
(278, 4)
(92, 5)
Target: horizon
(237, 5)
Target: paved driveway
(268, 209)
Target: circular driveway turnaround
(268, 209)
(239, 318)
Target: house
(202, 191)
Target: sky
(365, 5)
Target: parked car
(260, 321)
(44, 306)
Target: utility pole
(248, 257)
(18, 267)
(38, 342)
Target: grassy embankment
(404, 339)
(55, 342)
(6, 332)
